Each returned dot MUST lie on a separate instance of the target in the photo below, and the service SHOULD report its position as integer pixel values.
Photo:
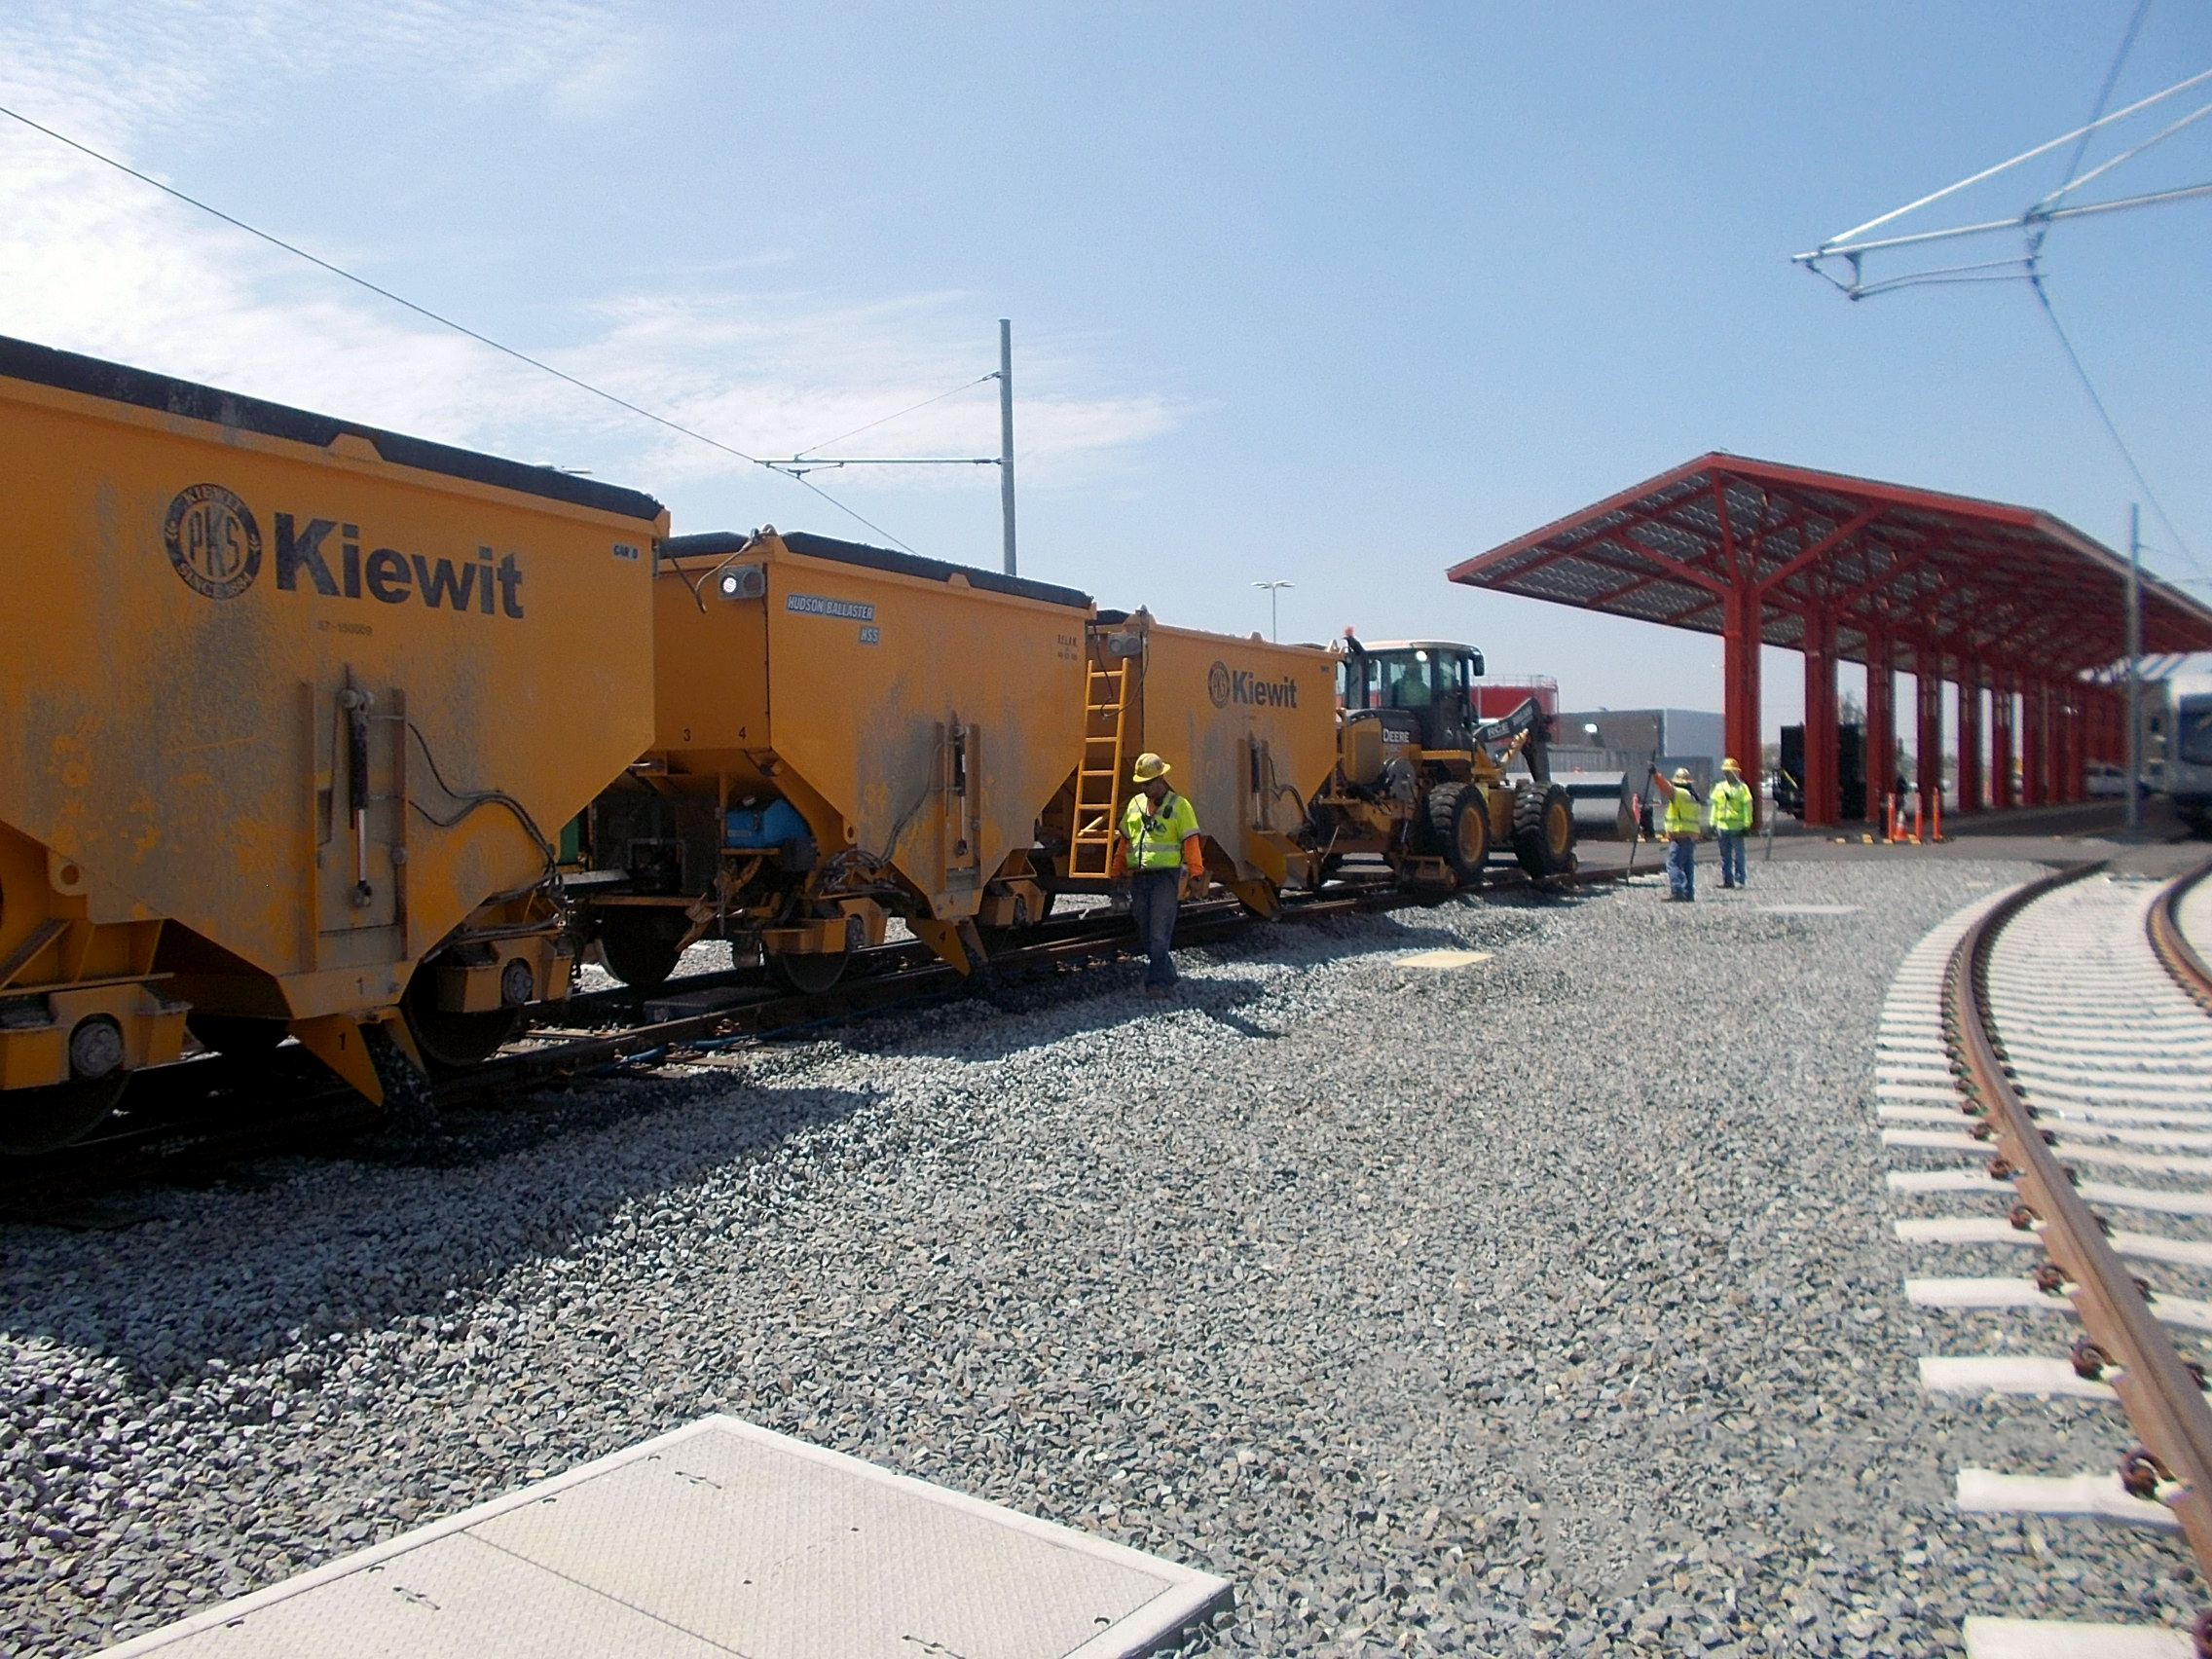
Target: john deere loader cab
(1423, 690)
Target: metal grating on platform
(719, 1538)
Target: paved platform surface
(2090, 829)
(719, 1538)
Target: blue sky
(1337, 295)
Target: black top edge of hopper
(66, 371)
(884, 559)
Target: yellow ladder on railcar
(1098, 776)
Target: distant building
(1666, 738)
(1495, 699)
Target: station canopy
(1887, 566)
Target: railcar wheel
(1543, 831)
(242, 1037)
(642, 946)
(809, 974)
(453, 1042)
(48, 1119)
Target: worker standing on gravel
(1157, 854)
(1731, 820)
(1682, 825)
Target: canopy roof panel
(1895, 569)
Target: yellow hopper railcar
(843, 735)
(287, 706)
(1248, 726)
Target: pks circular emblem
(213, 540)
(1216, 684)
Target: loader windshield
(1416, 677)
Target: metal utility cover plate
(719, 1538)
(1440, 959)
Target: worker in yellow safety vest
(1155, 855)
(1682, 825)
(1731, 805)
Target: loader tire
(1459, 822)
(1543, 831)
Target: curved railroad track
(189, 1121)
(2066, 1019)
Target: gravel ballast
(1547, 1303)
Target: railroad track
(2056, 1038)
(189, 1122)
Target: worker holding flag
(1682, 823)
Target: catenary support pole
(2134, 667)
(1006, 435)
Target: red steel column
(2067, 752)
(2035, 708)
(1740, 685)
(1877, 742)
(1928, 755)
(2002, 795)
(2046, 742)
(1969, 735)
(1823, 791)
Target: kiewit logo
(215, 545)
(1227, 685)
(213, 540)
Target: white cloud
(93, 261)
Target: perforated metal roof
(2009, 585)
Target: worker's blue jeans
(1731, 856)
(1681, 868)
(1153, 896)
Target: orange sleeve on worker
(1194, 857)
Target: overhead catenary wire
(2035, 223)
(2041, 285)
(1845, 240)
(2105, 92)
(443, 321)
(965, 386)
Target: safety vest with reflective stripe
(1731, 805)
(1683, 816)
(1156, 839)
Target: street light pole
(2134, 669)
(1275, 615)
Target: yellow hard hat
(1682, 775)
(1730, 766)
(1148, 767)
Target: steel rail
(175, 1141)
(2163, 1401)
(2171, 946)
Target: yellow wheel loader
(1424, 785)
